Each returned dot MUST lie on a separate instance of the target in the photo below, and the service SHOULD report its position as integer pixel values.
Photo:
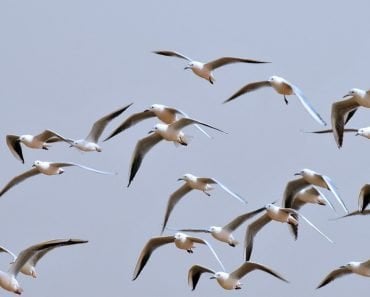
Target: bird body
(277, 214)
(47, 168)
(195, 183)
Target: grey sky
(65, 64)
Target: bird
(193, 182)
(282, 86)
(181, 241)
(361, 268)
(40, 141)
(47, 168)
(309, 176)
(279, 214)
(90, 143)
(224, 234)
(161, 131)
(205, 70)
(363, 202)
(8, 279)
(29, 268)
(229, 281)
(165, 113)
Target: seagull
(40, 141)
(361, 268)
(171, 132)
(181, 241)
(193, 182)
(29, 268)
(224, 233)
(311, 177)
(279, 214)
(282, 86)
(165, 113)
(299, 192)
(90, 143)
(228, 281)
(363, 202)
(205, 70)
(47, 168)
(8, 279)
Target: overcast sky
(64, 64)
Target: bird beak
(146, 110)
(33, 165)
(297, 173)
(347, 95)
(187, 67)
(151, 131)
(212, 277)
(180, 179)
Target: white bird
(279, 214)
(361, 268)
(299, 192)
(165, 113)
(224, 233)
(40, 141)
(90, 143)
(205, 70)
(8, 279)
(314, 178)
(47, 168)
(171, 132)
(228, 281)
(282, 86)
(29, 268)
(363, 202)
(181, 241)
(193, 182)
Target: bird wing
(99, 126)
(173, 200)
(251, 232)
(247, 267)
(5, 250)
(29, 252)
(291, 189)
(48, 134)
(172, 54)
(364, 197)
(194, 230)
(215, 181)
(16, 180)
(332, 188)
(14, 146)
(333, 275)
(355, 213)
(235, 223)
(249, 88)
(194, 274)
(185, 115)
(38, 255)
(131, 121)
(229, 60)
(341, 112)
(67, 164)
(183, 122)
(141, 148)
(293, 211)
(148, 249)
(307, 105)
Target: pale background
(64, 64)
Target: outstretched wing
(333, 275)
(183, 122)
(235, 223)
(172, 54)
(16, 180)
(68, 164)
(249, 88)
(14, 146)
(194, 275)
(229, 60)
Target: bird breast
(222, 235)
(278, 215)
(165, 116)
(281, 87)
(184, 243)
(8, 282)
(226, 282)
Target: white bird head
(187, 177)
(36, 163)
(158, 128)
(180, 236)
(354, 93)
(156, 107)
(220, 275)
(214, 229)
(363, 132)
(189, 66)
(304, 172)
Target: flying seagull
(40, 141)
(47, 168)
(205, 70)
(279, 214)
(90, 143)
(229, 281)
(181, 241)
(29, 268)
(161, 131)
(283, 87)
(361, 268)
(8, 279)
(224, 233)
(193, 182)
(165, 113)
(363, 202)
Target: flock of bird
(298, 192)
